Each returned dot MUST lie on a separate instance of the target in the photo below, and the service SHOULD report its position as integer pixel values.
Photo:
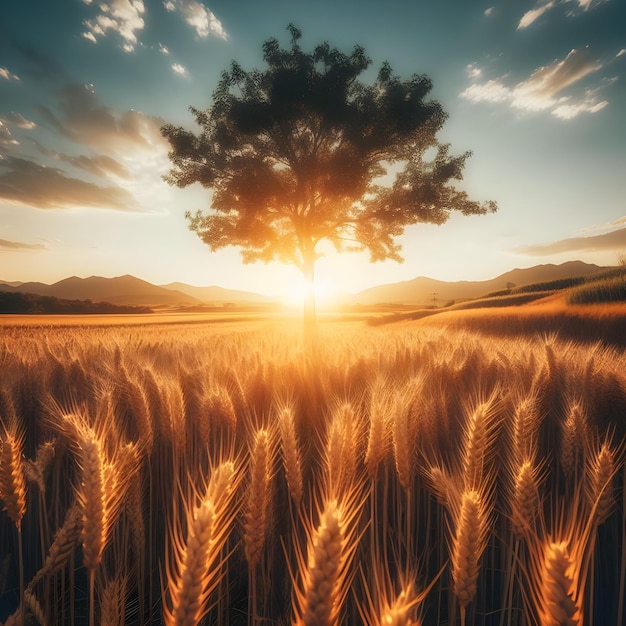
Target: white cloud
(534, 14)
(179, 69)
(621, 53)
(123, 17)
(491, 91)
(488, 12)
(7, 75)
(198, 17)
(589, 4)
(543, 89)
(569, 111)
(472, 70)
(540, 90)
(163, 49)
(89, 35)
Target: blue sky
(536, 89)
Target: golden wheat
(192, 572)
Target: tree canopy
(303, 151)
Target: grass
(599, 292)
(428, 471)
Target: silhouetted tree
(294, 155)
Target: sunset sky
(536, 89)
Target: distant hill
(131, 291)
(122, 290)
(419, 291)
(217, 294)
(30, 303)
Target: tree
(295, 155)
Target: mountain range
(128, 290)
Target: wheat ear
(378, 437)
(469, 540)
(601, 470)
(291, 454)
(12, 481)
(193, 572)
(13, 486)
(558, 606)
(259, 496)
(65, 540)
(112, 602)
(326, 572)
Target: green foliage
(291, 153)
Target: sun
(298, 289)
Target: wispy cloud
(85, 120)
(16, 119)
(473, 71)
(488, 12)
(6, 138)
(125, 149)
(531, 16)
(198, 17)
(534, 14)
(123, 17)
(28, 183)
(180, 69)
(163, 49)
(5, 244)
(7, 75)
(543, 89)
(100, 165)
(615, 240)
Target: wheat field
(186, 474)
